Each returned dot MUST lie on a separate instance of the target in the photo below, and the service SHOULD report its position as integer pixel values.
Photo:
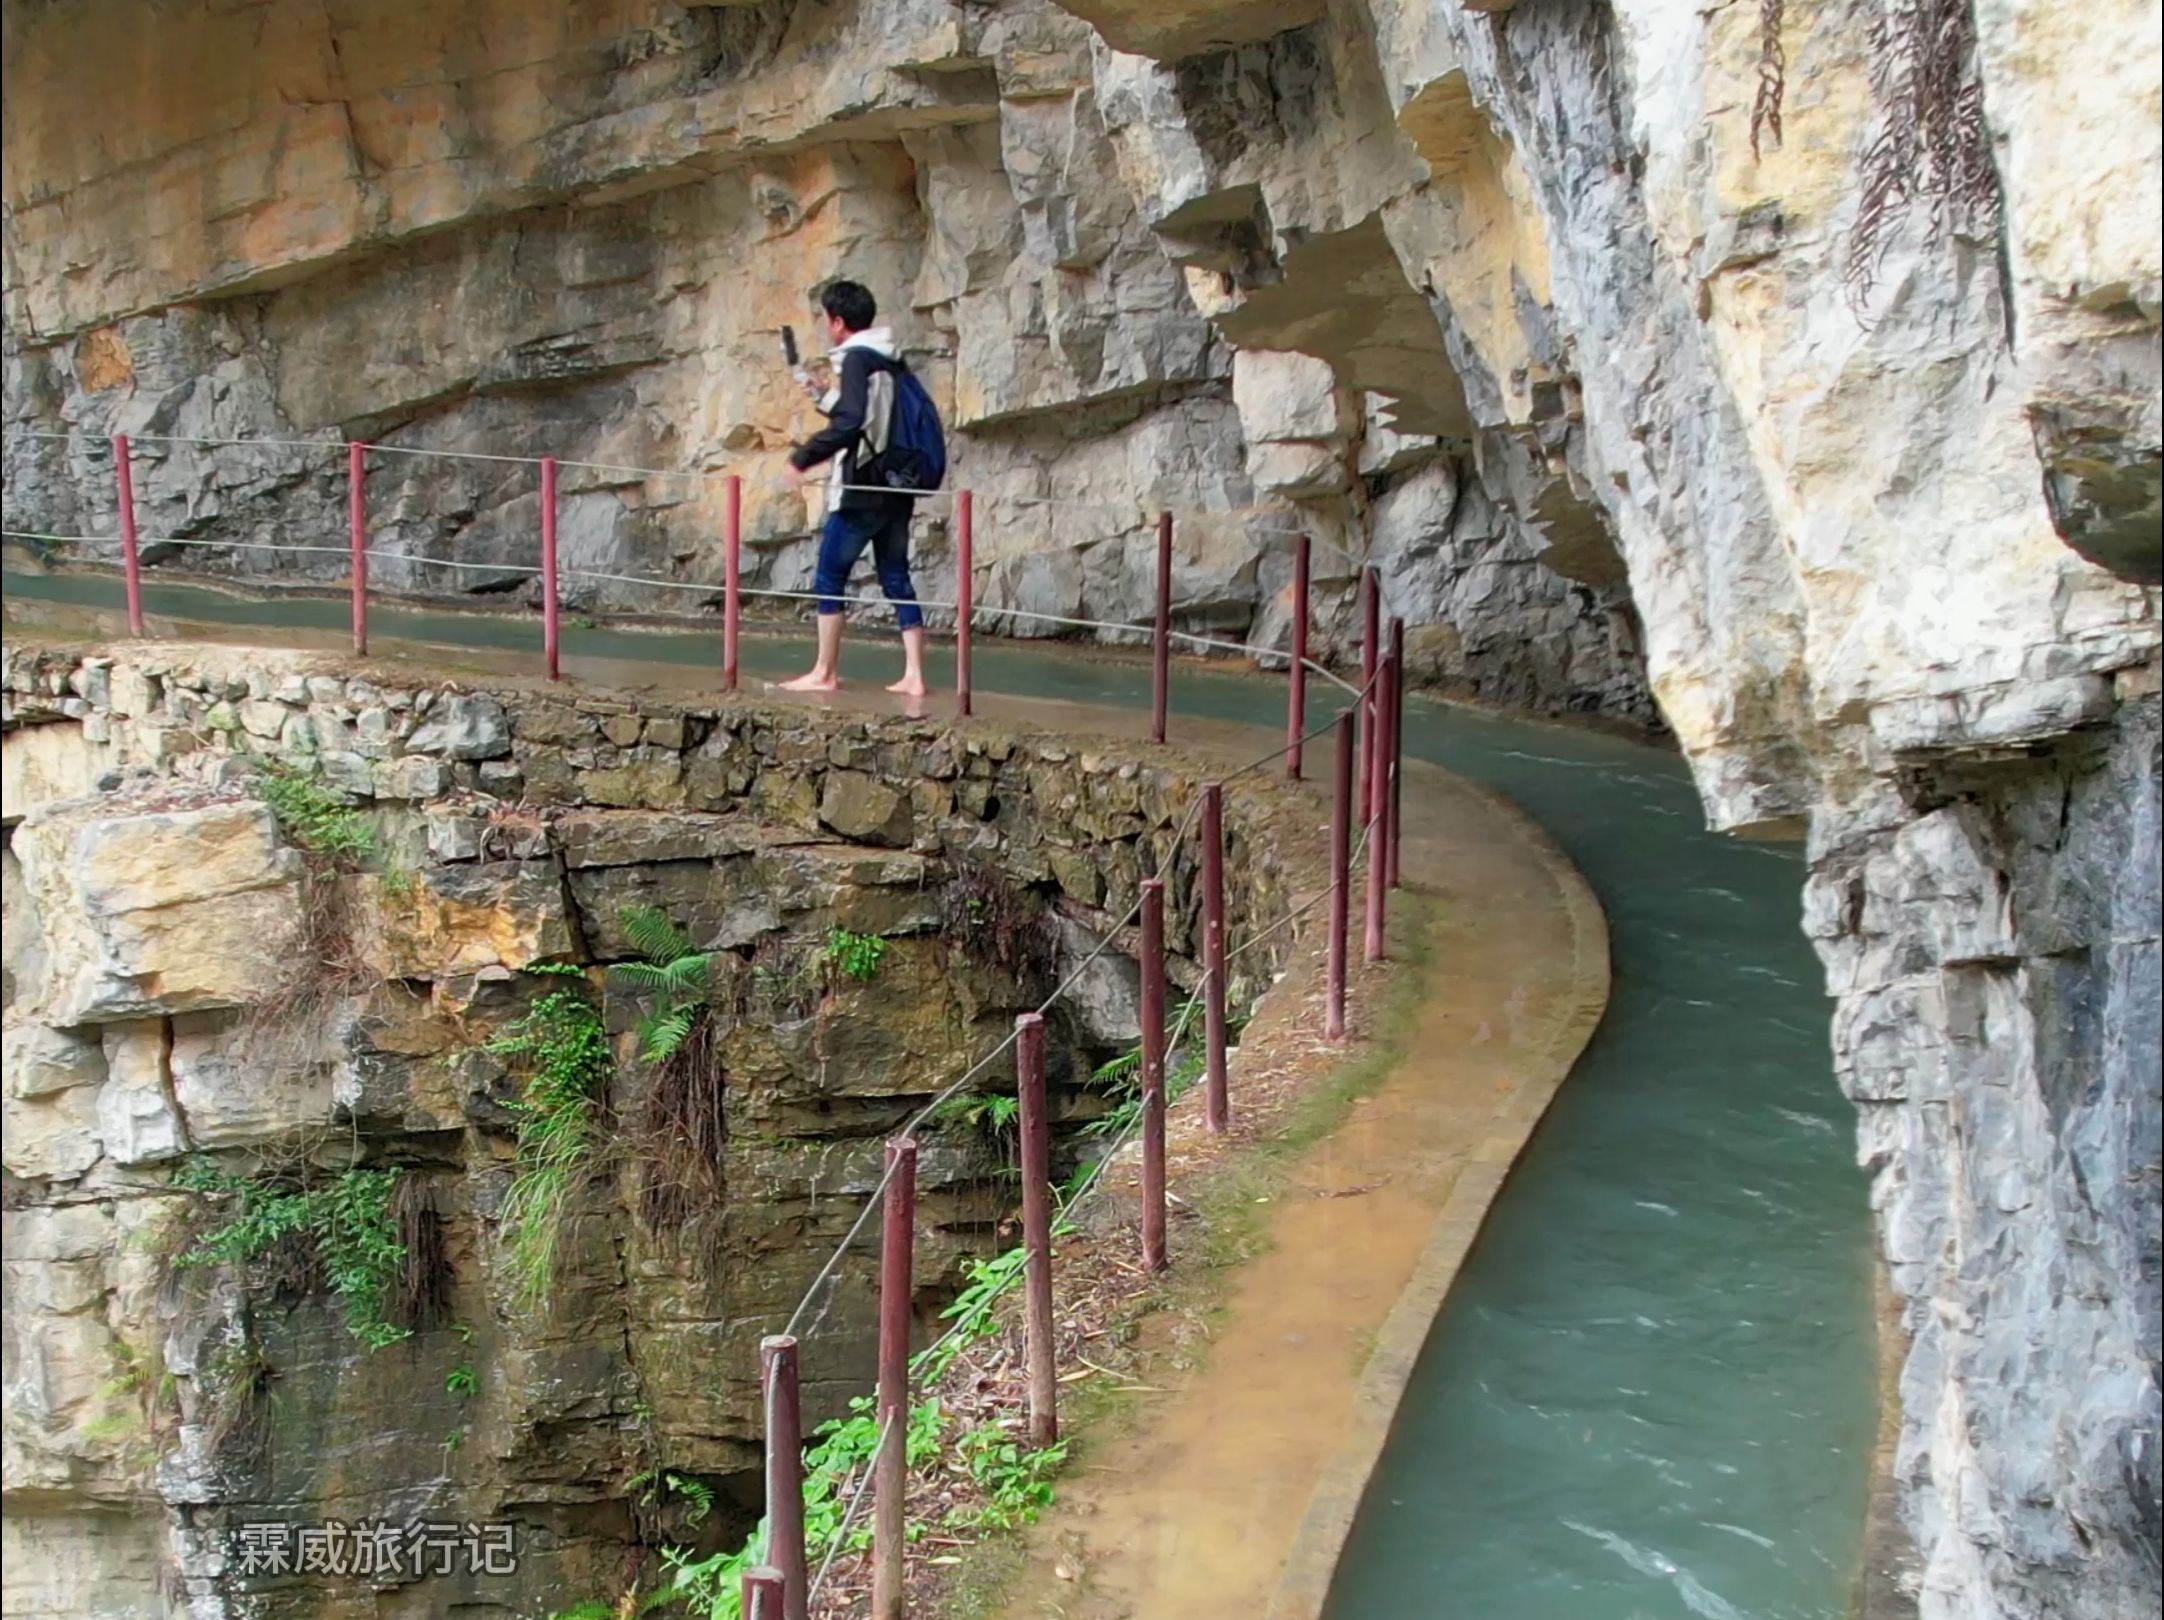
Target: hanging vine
(1772, 75)
(1932, 146)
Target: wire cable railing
(1206, 645)
(1095, 1179)
(1074, 977)
(429, 452)
(1370, 708)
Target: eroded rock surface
(441, 233)
(158, 911)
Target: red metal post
(732, 586)
(1370, 607)
(549, 611)
(357, 540)
(764, 1593)
(890, 1468)
(965, 558)
(1161, 650)
(1296, 672)
(1153, 1074)
(784, 1473)
(1340, 875)
(1397, 744)
(131, 566)
(1217, 1108)
(1036, 1132)
(1378, 824)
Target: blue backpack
(915, 459)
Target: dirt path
(1228, 1497)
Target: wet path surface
(1226, 1490)
(1651, 1393)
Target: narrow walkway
(1243, 1476)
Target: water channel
(1651, 1393)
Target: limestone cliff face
(438, 228)
(1846, 519)
(1857, 465)
(1792, 367)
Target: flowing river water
(1652, 1390)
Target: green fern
(654, 1485)
(682, 977)
(1122, 1076)
(673, 980)
(639, 977)
(1120, 1071)
(653, 936)
(662, 1035)
(994, 1113)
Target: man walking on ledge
(861, 415)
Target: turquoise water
(1651, 1393)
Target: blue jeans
(842, 542)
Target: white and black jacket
(859, 409)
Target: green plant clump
(1016, 1481)
(564, 1049)
(655, 1484)
(709, 1587)
(971, 1312)
(314, 815)
(992, 1114)
(674, 978)
(349, 1222)
(854, 956)
(1122, 1076)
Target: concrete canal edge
(1311, 1563)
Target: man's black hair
(849, 302)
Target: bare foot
(909, 686)
(813, 681)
